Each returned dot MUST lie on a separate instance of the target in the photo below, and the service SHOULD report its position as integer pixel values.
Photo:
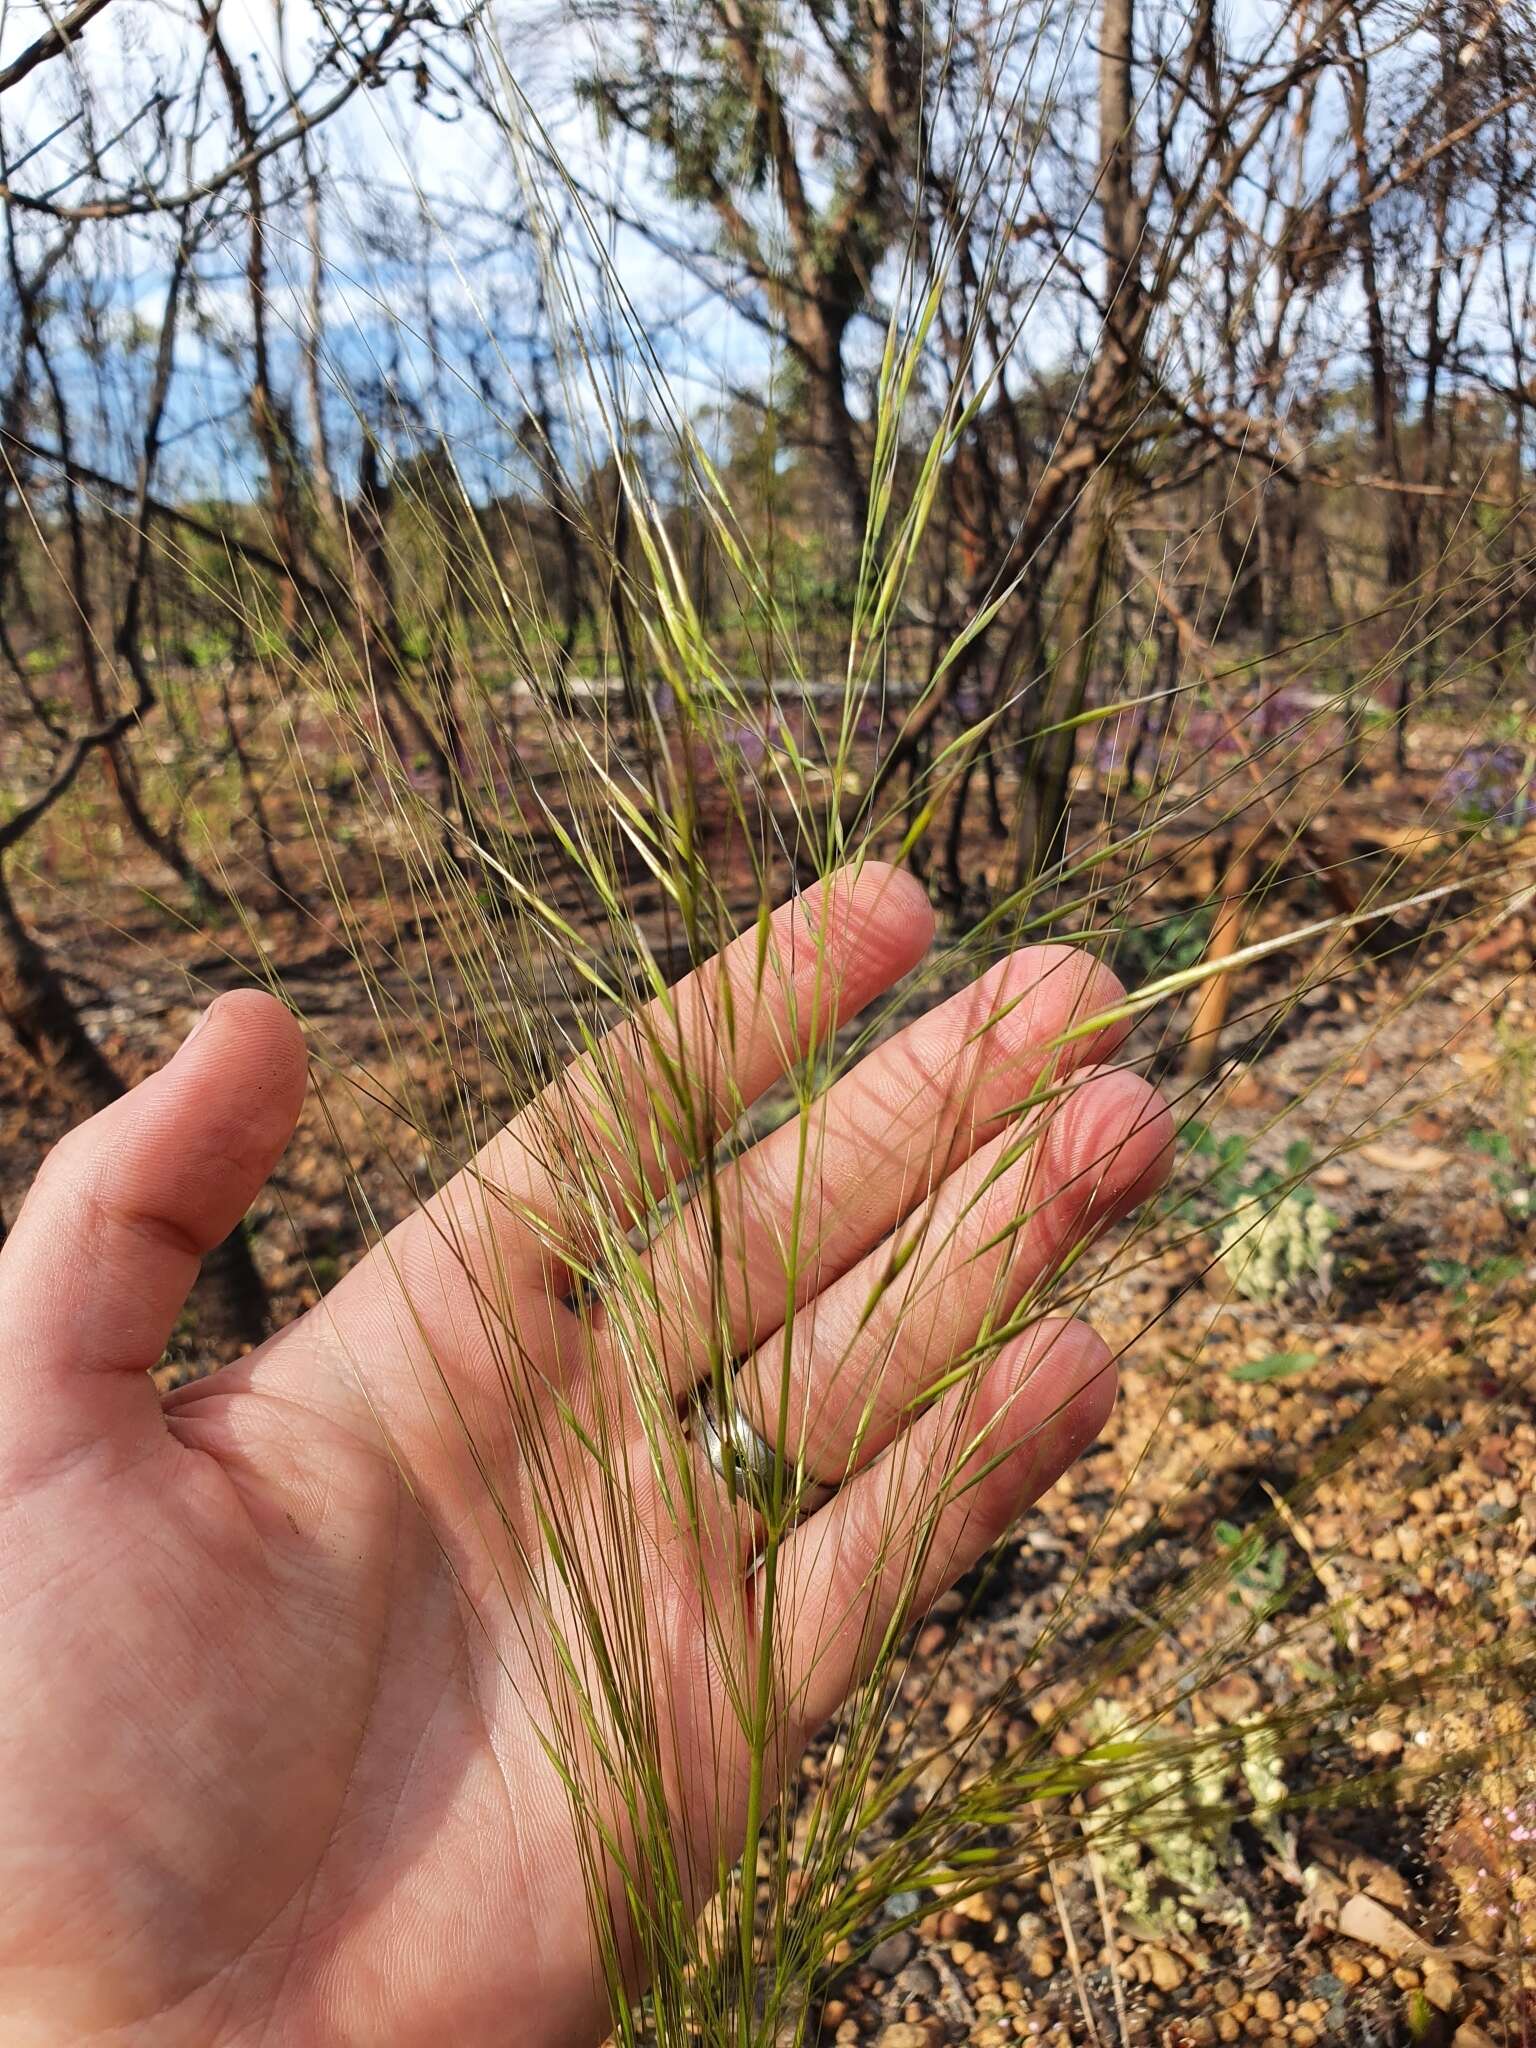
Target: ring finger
(855, 1366)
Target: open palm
(275, 1676)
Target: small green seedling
(1276, 1365)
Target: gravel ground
(1381, 1622)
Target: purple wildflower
(1491, 784)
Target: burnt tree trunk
(1052, 750)
(43, 1018)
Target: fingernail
(198, 1024)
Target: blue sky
(391, 161)
(399, 162)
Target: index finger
(647, 1103)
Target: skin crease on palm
(272, 1764)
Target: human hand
(273, 1683)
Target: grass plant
(552, 862)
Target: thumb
(108, 1242)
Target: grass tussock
(513, 836)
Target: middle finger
(808, 1201)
